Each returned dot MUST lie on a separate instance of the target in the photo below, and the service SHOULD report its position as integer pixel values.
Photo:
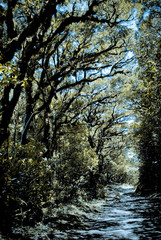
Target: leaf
(2, 68)
(24, 83)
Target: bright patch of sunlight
(130, 121)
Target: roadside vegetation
(68, 89)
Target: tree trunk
(7, 112)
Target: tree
(147, 98)
(52, 54)
(61, 42)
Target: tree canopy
(146, 96)
(68, 85)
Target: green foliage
(147, 99)
(9, 74)
(25, 183)
(62, 86)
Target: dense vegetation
(146, 96)
(66, 81)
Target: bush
(25, 184)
